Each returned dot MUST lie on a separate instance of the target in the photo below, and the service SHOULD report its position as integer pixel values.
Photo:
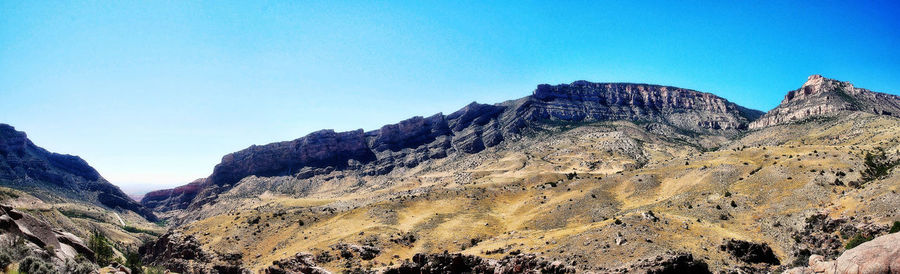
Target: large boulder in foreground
(881, 255)
(41, 237)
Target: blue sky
(154, 93)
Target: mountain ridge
(468, 130)
(48, 175)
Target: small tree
(857, 240)
(895, 228)
(133, 261)
(103, 250)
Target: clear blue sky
(154, 93)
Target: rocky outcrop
(821, 96)
(459, 263)
(184, 254)
(300, 263)
(821, 235)
(41, 237)
(471, 129)
(49, 176)
(881, 255)
(668, 263)
(751, 253)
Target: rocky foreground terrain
(580, 177)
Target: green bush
(857, 240)
(12, 250)
(34, 265)
(895, 228)
(5, 259)
(79, 266)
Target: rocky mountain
(469, 130)
(56, 177)
(821, 96)
(584, 177)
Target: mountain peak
(820, 96)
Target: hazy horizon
(152, 95)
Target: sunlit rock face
(683, 108)
(821, 96)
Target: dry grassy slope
(82, 219)
(505, 197)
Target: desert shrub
(12, 250)
(5, 259)
(79, 266)
(34, 265)
(895, 228)
(857, 240)
(154, 270)
(877, 165)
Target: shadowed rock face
(324, 148)
(179, 197)
(469, 130)
(822, 96)
(47, 175)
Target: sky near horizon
(153, 93)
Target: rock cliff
(51, 176)
(469, 130)
(823, 96)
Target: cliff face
(47, 175)
(822, 96)
(179, 197)
(683, 108)
(469, 130)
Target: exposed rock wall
(822, 96)
(179, 197)
(469, 130)
(684, 108)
